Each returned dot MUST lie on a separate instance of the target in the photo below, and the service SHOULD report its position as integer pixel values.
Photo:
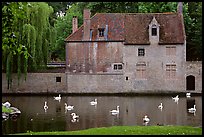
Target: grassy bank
(128, 130)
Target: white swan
(115, 111)
(94, 102)
(68, 107)
(45, 106)
(188, 95)
(74, 116)
(192, 109)
(6, 104)
(146, 119)
(74, 120)
(58, 98)
(176, 99)
(160, 106)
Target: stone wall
(36, 83)
(194, 68)
(95, 83)
(101, 82)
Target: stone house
(148, 50)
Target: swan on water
(115, 111)
(146, 119)
(45, 106)
(58, 98)
(6, 104)
(68, 107)
(192, 109)
(74, 116)
(160, 106)
(94, 102)
(74, 120)
(188, 95)
(176, 99)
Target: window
(141, 52)
(117, 66)
(101, 32)
(170, 51)
(154, 31)
(171, 71)
(58, 79)
(126, 78)
(141, 70)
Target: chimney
(87, 21)
(74, 24)
(180, 8)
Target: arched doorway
(190, 82)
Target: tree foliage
(63, 28)
(25, 37)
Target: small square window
(58, 79)
(126, 78)
(115, 66)
(141, 52)
(154, 31)
(120, 66)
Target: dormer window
(101, 32)
(154, 30)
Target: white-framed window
(141, 72)
(117, 66)
(141, 51)
(170, 71)
(171, 50)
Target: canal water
(132, 109)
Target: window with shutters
(141, 70)
(171, 51)
(170, 71)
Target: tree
(57, 7)
(63, 28)
(194, 31)
(12, 46)
(26, 37)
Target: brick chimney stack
(74, 24)
(180, 8)
(87, 22)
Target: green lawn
(128, 130)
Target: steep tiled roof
(115, 22)
(137, 28)
(133, 27)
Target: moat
(132, 110)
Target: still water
(132, 110)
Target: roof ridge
(140, 13)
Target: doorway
(190, 82)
